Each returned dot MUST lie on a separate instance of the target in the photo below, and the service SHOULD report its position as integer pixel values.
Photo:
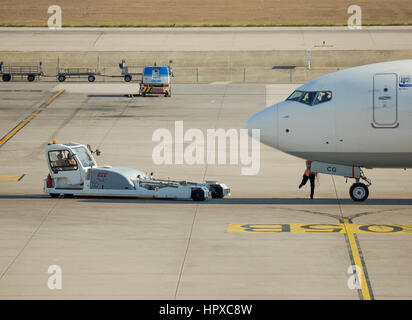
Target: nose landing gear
(360, 191)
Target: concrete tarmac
(232, 248)
(205, 39)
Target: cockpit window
(323, 96)
(296, 95)
(310, 97)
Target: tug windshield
(84, 157)
(61, 160)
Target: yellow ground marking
(10, 177)
(357, 259)
(16, 129)
(55, 96)
(320, 227)
(343, 228)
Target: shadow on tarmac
(125, 95)
(225, 201)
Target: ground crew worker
(309, 175)
(171, 68)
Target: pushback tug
(74, 171)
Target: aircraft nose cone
(266, 121)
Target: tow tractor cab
(74, 171)
(156, 80)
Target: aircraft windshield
(323, 96)
(296, 95)
(84, 157)
(310, 97)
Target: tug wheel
(217, 192)
(198, 195)
(359, 192)
(54, 195)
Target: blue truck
(156, 80)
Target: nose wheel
(360, 191)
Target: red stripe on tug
(49, 181)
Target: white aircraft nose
(266, 121)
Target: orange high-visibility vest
(307, 173)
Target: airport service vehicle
(129, 71)
(90, 73)
(345, 121)
(156, 80)
(31, 72)
(74, 171)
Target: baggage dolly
(129, 71)
(31, 72)
(64, 73)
